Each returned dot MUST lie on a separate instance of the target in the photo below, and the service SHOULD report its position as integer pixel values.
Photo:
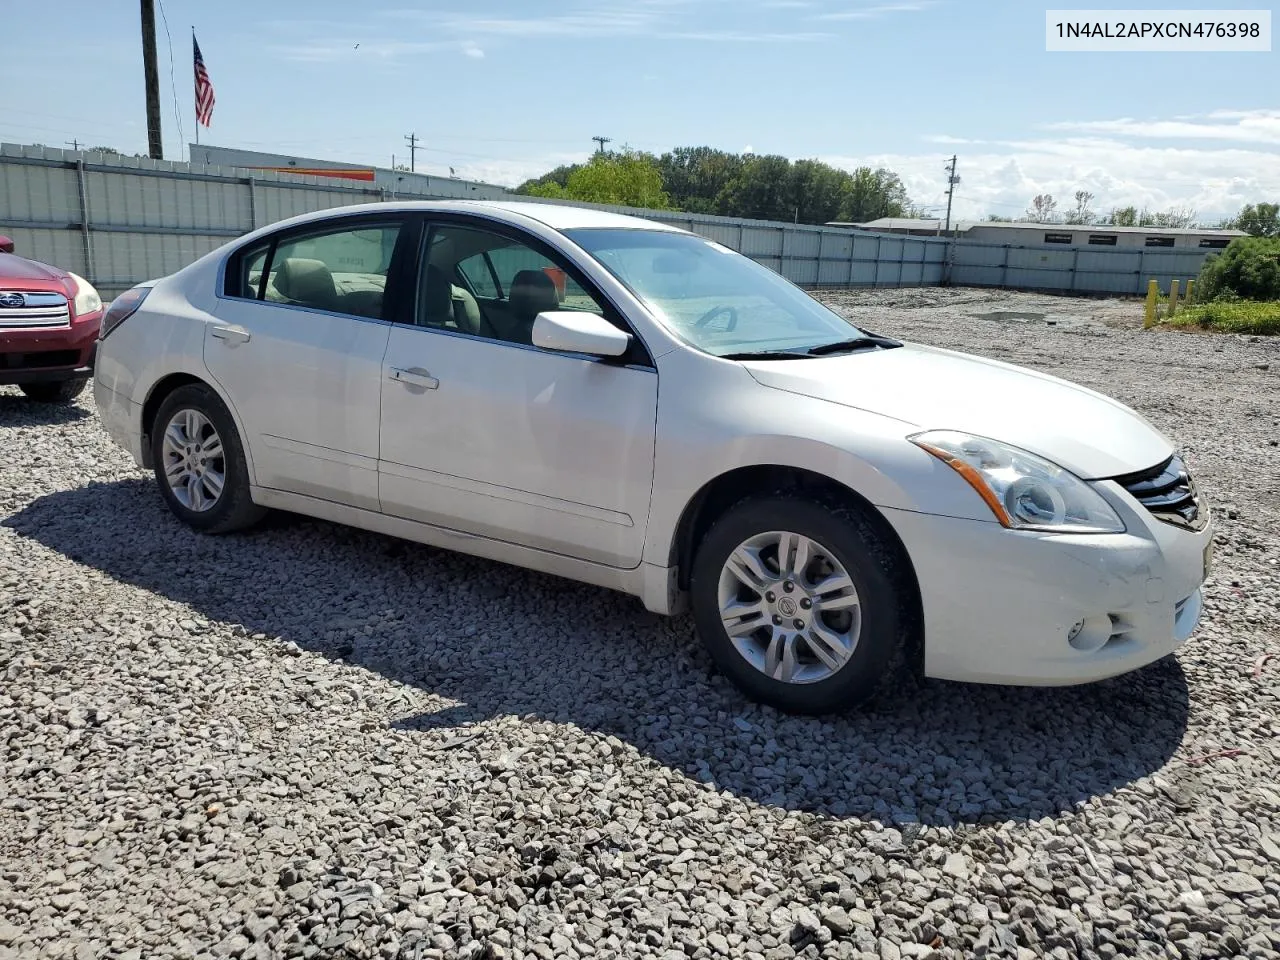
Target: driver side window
(490, 285)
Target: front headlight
(87, 299)
(1024, 491)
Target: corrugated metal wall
(1075, 269)
(120, 220)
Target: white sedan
(631, 405)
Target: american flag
(204, 89)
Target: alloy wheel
(194, 462)
(789, 607)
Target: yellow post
(1188, 299)
(1153, 291)
(1173, 297)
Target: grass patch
(1232, 316)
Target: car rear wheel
(799, 604)
(199, 462)
(56, 391)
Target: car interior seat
(446, 305)
(532, 292)
(306, 282)
(466, 310)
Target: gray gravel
(311, 741)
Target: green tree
(1043, 208)
(817, 191)
(559, 176)
(1122, 217)
(1081, 213)
(760, 190)
(1258, 220)
(1248, 269)
(871, 194)
(695, 176)
(1179, 218)
(707, 180)
(630, 178)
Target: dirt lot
(311, 741)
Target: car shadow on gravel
(501, 641)
(17, 411)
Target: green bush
(1230, 316)
(1248, 269)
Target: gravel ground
(311, 741)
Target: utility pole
(75, 144)
(602, 141)
(952, 180)
(155, 145)
(412, 141)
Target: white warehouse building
(1066, 234)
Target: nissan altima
(634, 406)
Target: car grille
(39, 359)
(1168, 491)
(20, 310)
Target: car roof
(563, 216)
(557, 216)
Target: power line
(412, 140)
(173, 83)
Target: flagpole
(197, 106)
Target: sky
(501, 90)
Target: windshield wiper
(860, 343)
(766, 355)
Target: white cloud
(877, 10)
(654, 19)
(1001, 176)
(1244, 126)
(473, 51)
(511, 173)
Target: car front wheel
(799, 604)
(199, 462)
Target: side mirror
(6, 244)
(573, 332)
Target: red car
(49, 322)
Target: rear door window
(340, 271)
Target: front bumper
(1000, 606)
(41, 356)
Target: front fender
(865, 452)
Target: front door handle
(232, 335)
(417, 377)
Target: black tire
(54, 391)
(234, 508)
(880, 662)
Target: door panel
(307, 388)
(298, 346)
(542, 449)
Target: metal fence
(119, 220)
(1070, 269)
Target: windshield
(713, 298)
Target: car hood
(1086, 432)
(20, 273)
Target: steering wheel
(714, 312)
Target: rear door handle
(231, 335)
(414, 378)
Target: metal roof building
(393, 181)
(1065, 234)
